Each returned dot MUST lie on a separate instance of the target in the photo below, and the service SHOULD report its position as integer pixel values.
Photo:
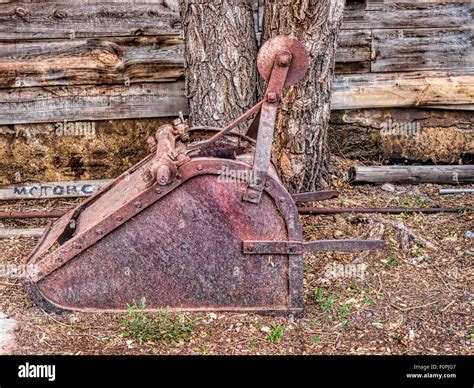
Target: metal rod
(227, 129)
(386, 210)
(343, 245)
(314, 196)
(455, 191)
(31, 214)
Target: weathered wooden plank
(353, 51)
(6, 233)
(91, 61)
(421, 49)
(42, 190)
(50, 104)
(76, 19)
(412, 174)
(125, 60)
(403, 14)
(411, 89)
(72, 20)
(371, 90)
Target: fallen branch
(412, 174)
(11, 233)
(414, 307)
(408, 233)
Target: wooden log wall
(117, 63)
(71, 55)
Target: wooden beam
(411, 89)
(6, 233)
(79, 19)
(52, 104)
(125, 60)
(91, 61)
(407, 14)
(422, 49)
(412, 174)
(80, 103)
(353, 51)
(47, 190)
(51, 20)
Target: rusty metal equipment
(203, 223)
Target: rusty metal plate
(273, 46)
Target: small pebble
(388, 187)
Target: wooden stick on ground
(412, 174)
(15, 232)
(408, 233)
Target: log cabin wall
(83, 83)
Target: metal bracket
(266, 125)
(299, 247)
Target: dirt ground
(414, 297)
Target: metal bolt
(138, 205)
(199, 167)
(293, 248)
(284, 59)
(77, 245)
(272, 97)
(119, 218)
(158, 191)
(99, 231)
(252, 195)
(250, 248)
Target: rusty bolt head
(284, 59)
(293, 248)
(272, 97)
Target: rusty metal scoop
(202, 223)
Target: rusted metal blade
(314, 196)
(298, 247)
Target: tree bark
(300, 150)
(221, 49)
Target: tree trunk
(221, 49)
(300, 150)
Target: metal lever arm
(268, 114)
